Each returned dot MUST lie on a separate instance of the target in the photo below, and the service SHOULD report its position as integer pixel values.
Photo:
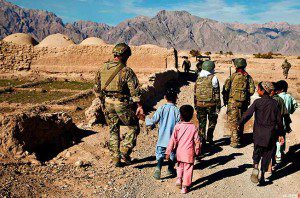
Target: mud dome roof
(93, 41)
(56, 40)
(150, 46)
(21, 39)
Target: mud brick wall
(157, 84)
(82, 59)
(15, 57)
(79, 59)
(153, 91)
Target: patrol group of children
(179, 140)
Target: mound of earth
(93, 41)
(33, 136)
(21, 39)
(56, 40)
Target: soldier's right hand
(140, 113)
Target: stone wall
(79, 59)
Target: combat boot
(116, 161)
(235, 144)
(127, 159)
(125, 156)
(157, 172)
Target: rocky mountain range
(177, 29)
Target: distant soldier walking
(286, 66)
(118, 88)
(207, 101)
(186, 65)
(199, 65)
(239, 87)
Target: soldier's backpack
(111, 76)
(239, 86)
(204, 89)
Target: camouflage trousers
(204, 114)
(119, 113)
(235, 111)
(286, 72)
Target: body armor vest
(108, 69)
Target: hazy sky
(113, 12)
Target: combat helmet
(122, 49)
(240, 63)
(208, 65)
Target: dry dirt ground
(223, 172)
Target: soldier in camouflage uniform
(207, 100)
(118, 89)
(286, 66)
(239, 87)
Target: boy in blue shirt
(291, 106)
(167, 116)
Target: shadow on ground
(290, 164)
(217, 161)
(146, 159)
(220, 175)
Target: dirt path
(223, 172)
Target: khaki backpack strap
(113, 75)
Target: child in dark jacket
(266, 131)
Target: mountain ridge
(178, 29)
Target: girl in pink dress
(185, 140)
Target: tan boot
(116, 161)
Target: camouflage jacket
(129, 84)
(286, 65)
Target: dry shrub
(229, 53)
(207, 53)
(298, 57)
(195, 53)
(264, 56)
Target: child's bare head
(186, 113)
(171, 95)
(282, 86)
